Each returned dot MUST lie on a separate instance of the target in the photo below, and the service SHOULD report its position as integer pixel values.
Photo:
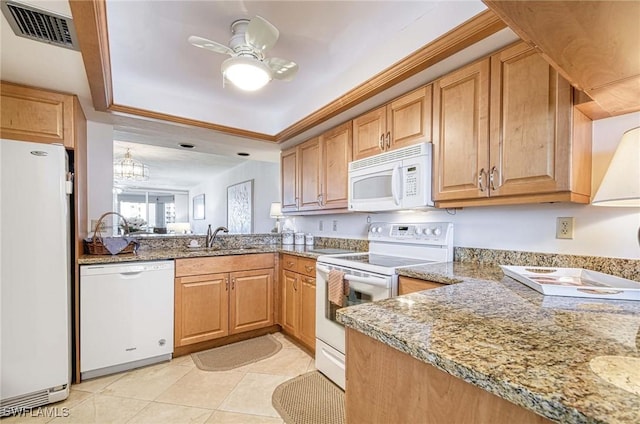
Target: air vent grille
(393, 155)
(48, 27)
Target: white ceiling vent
(40, 25)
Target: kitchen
(529, 227)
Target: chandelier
(128, 169)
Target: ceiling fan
(248, 68)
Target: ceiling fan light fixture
(246, 73)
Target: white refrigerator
(35, 342)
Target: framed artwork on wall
(198, 206)
(240, 208)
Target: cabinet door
(307, 329)
(290, 302)
(409, 118)
(530, 124)
(201, 308)
(36, 115)
(336, 155)
(289, 180)
(309, 181)
(368, 133)
(251, 301)
(461, 134)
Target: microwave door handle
(396, 185)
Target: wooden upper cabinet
(289, 179)
(461, 133)
(409, 118)
(536, 148)
(400, 123)
(321, 168)
(594, 45)
(336, 155)
(41, 116)
(368, 133)
(530, 124)
(309, 156)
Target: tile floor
(178, 392)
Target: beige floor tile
(290, 361)
(47, 413)
(146, 383)
(184, 361)
(96, 385)
(286, 342)
(161, 413)
(202, 389)
(101, 409)
(253, 395)
(223, 417)
(312, 365)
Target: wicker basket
(95, 245)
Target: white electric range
(372, 276)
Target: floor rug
(235, 355)
(310, 398)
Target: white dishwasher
(126, 316)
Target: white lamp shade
(621, 183)
(276, 210)
(246, 73)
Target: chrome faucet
(211, 236)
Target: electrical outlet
(320, 225)
(335, 225)
(564, 227)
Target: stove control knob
(425, 231)
(375, 230)
(437, 231)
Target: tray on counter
(575, 282)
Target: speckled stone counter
(177, 247)
(563, 358)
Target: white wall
(598, 231)
(99, 170)
(266, 189)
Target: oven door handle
(374, 281)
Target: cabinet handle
(480, 180)
(381, 142)
(388, 138)
(289, 263)
(492, 184)
(308, 280)
(320, 198)
(226, 284)
(295, 286)
(233, 283)
(308, 268)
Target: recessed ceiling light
(186, 145)
(243, 154)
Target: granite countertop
(182, 252)
(568, 359)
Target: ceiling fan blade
(261, 34)
(214, 46)
(282, 69)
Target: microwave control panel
(411, 181)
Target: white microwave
(399, 179)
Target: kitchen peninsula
(565, 359)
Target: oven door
(364, 287)
(376, 188)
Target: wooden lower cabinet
(298, 299)
(209, 305)
(385, 385)
(410, 285)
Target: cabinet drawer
(307, 266)
(289, 262)
(409, 285)
(217, 264)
